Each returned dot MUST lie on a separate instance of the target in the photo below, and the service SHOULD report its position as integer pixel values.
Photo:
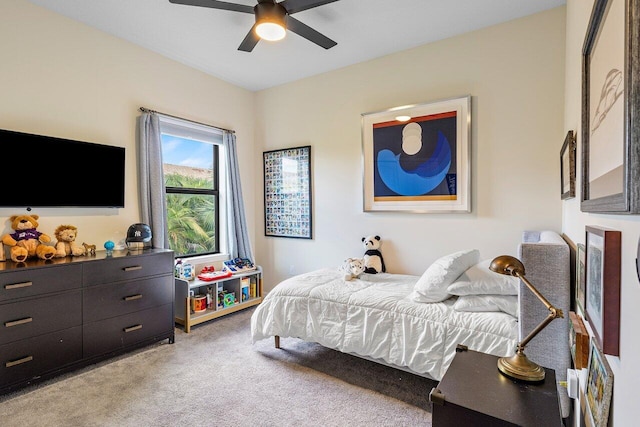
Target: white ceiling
(207, 39)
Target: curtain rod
(148, 110)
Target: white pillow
(432, 285)
(479, 280)
(482, 303)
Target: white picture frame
(416, 158)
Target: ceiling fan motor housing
(270, 13)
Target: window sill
(205, 259)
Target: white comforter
(374, 317)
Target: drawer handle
(18, 361)
(133, 297)
(135, 267)
(133, 328)
(18, 322)
(18, 285)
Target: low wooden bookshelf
(242, 290)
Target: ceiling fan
(272, 19)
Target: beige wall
(625, 368)
(514, 73)
(62, 78)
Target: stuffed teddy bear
(373, 262)
(26, 241)
(352, 268)
(66, 235)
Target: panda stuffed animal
(373, 261)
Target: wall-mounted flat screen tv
(44, 171)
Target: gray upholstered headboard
(546, 259)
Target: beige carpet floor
(215, 376)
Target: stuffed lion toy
(66, 245)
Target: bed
(388, 318)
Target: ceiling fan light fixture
(270, 31)
(270, 21)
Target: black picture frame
(610, 99)
(568, 167)
(287, 193)
(603, 276)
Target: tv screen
(43, 171)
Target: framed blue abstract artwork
(416, 157)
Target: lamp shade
(508, 265)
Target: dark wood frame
(628, 200)
(569, 151)
(296, 207)
(605, 322)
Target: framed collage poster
(610, 98)
(287, 192)
(417, 158)
(602, 271)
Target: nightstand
(473, 392)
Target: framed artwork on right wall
(602, 272)
(580, 278)
(610, 98)
(599, 388)
(568, 167)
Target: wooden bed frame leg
(277, 341)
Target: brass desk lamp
(519, 366)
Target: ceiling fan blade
(250, 41)
(293, 6)
(214, 4)
(309, 33)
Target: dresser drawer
(127, 268)
(110, 300)
(28, 359)
(123, 331)
(37, 281)
(37, 316)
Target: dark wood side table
(473, 392)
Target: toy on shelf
(184, 270)
(26, 241)
(239, 265)
(66, 241)
(229, 299)
(109, 245)
(209, 274)
(89, 249)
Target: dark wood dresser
(473, 392)
(62, 314)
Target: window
(193, 174)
